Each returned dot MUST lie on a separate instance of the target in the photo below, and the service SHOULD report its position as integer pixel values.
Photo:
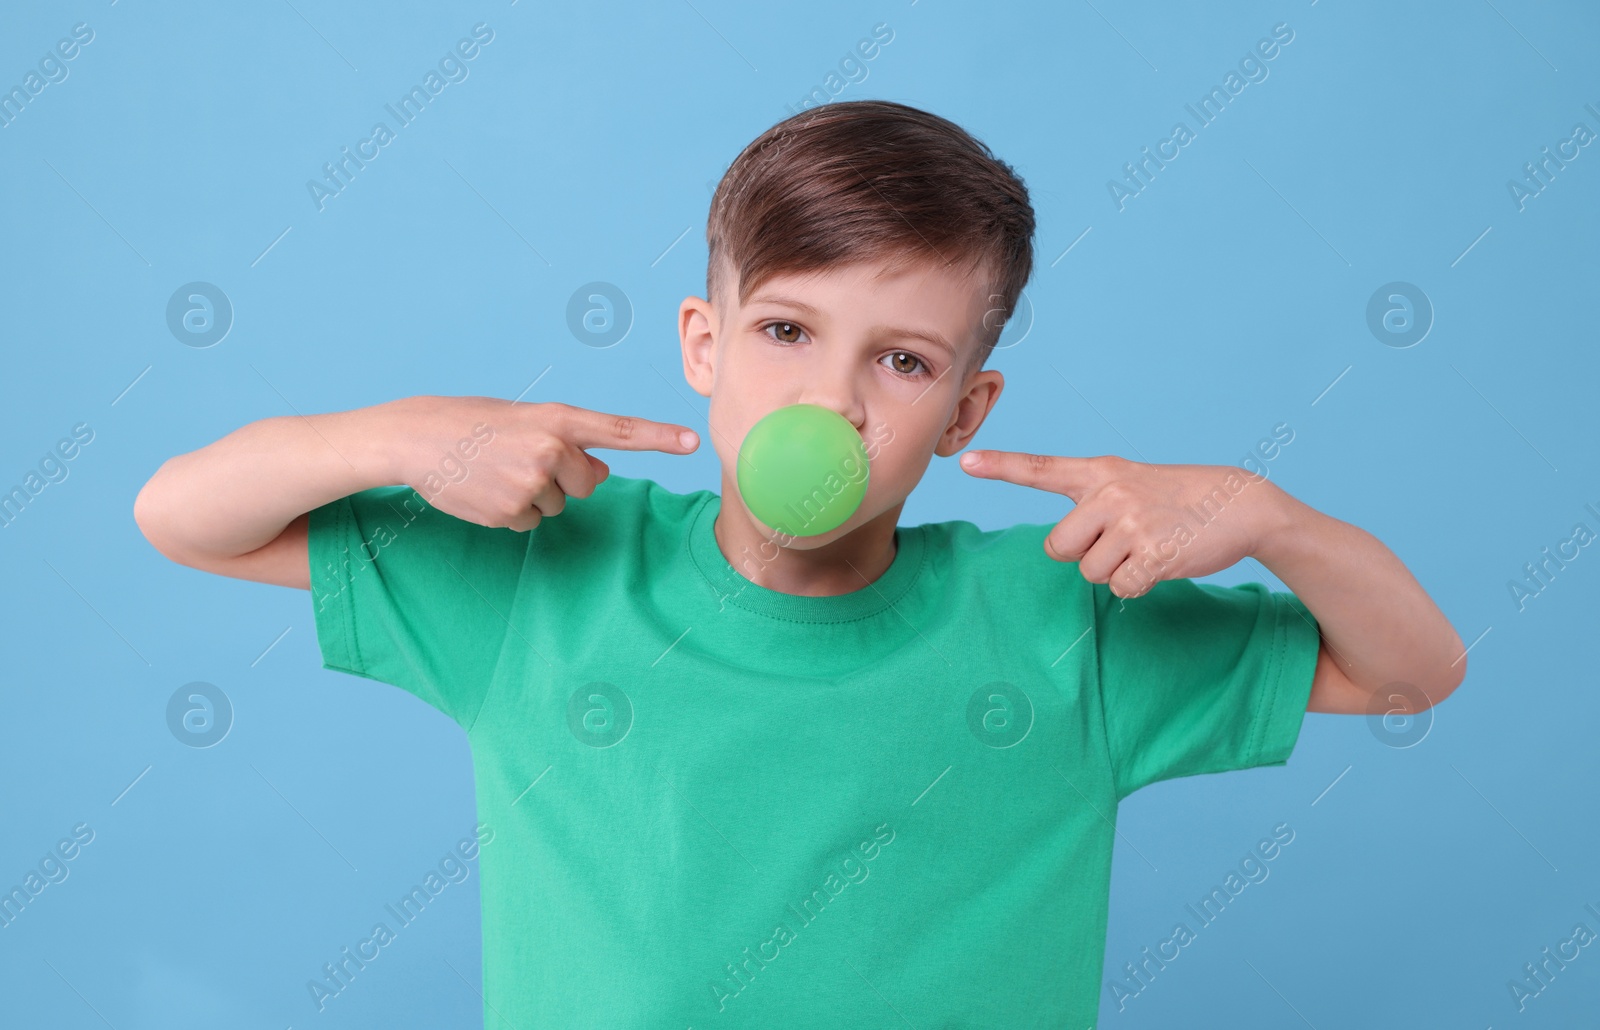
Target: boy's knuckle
(545, 449)
(1116, 492)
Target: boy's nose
(838, 402)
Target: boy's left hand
(1136, 524)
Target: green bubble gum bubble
(803, 470)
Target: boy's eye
(784, 328)
(915, 362)
(902, 363)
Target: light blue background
(1222, 301)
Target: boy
(867, 778)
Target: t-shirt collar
(732, 588)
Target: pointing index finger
(587, 429)
(1070, 476)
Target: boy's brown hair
(872, 179)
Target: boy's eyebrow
(919, 334)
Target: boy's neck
(842, 566)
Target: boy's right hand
(506, 464)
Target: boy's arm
(238, 506)
(1136, 524)
(1380, 629)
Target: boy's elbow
(143, 516)
(148, 516)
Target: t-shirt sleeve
(412, 596)
(1200, 678)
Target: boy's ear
(973, 407)
(697, 334)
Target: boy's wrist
(386, 437)
(1285, 532)
(370, 441)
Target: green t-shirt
(718, 805)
